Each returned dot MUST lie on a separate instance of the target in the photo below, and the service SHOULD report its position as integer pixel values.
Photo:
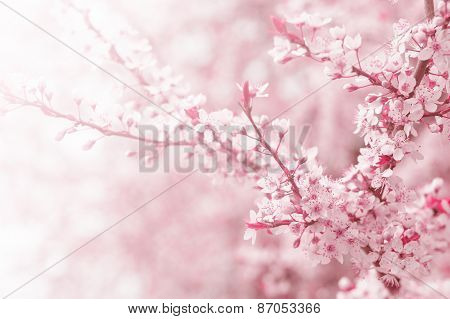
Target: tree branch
(429, 9)
(273, 153)
(422, 65)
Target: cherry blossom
(333, 225)
(437, 47)
(406, 83)
(368, 215)
(352, 43)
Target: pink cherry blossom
(352, 43)
(438, 47)
(371, 215)
(406, 84)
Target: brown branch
(274, 154)
(422, 65)
(101, 129)
(429, 9)
(372, 79)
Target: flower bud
(60, 135)
(279, 24)
(383, 99)
(89, 145)
(349, 87)
(296, 243)
(371, 98)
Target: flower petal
(430, 106)
(425, 54)
(398, 154)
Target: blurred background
(187, 243)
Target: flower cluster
(164, 114)
(368, 214)
(388, 231)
